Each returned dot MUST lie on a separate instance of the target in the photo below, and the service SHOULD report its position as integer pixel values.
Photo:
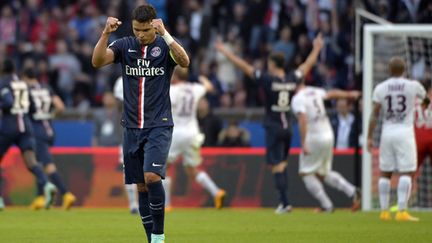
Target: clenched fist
(159, 26)
(111, 25)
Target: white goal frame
(368, 49)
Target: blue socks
(146, 218)
(281, 183)
(57, 181)
(37, 171)
(157, 206)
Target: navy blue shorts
(145, 150)
(43, 155)
(278, 143)
(25, 141)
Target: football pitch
(209, 225)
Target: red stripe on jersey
(141, 94)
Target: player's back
(41, 114)
(184, 99)
(15, 105)
(397, 96)
(310, 101)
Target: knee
(50, 168)
(141, 187)
(151, 177)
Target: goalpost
(380, 43)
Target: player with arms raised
(279, 86)
(16, 127)
(147, 61)
(46, 104)
(317, 140)
(187, 139)
(396, 98)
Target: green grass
(208, 225)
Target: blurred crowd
(57, 37)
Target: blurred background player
(279, 86)
(187, 139)
(45, 105)
(131, 189)
(396, 98)
(147, 60)
(16, 127)
(317, 141)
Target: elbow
(185, 63)
(96, 63)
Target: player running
(187, 139)
(279, 86)
(147, 60)
(395, 98)
(46, 105)
(317, 141)
(16, 127)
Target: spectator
(107, 130)
(234, 136)
(343, 125)
(209, 124)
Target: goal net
(380, 43)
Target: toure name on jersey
(144, 69)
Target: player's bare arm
(177, 51)
(101, 54)
(307, 65)
(373, 120)
(58, 104)
(207, 83)
(302, 121)
(340, 94)
(236, 60)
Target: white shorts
(188, 147)
(398, 151)
(320, 157)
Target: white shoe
(157, 238)
(2, 205)
(49, 191)
(281, 209)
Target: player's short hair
(396, 66)
(278, 58)
(8, 66)
(144, 13)
(29, 73)
(181, 72)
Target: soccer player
(131, 189)
(187, 139)
(423, 129)
(279, 86)
(45, 105)
(16, 128)
(395, 98)
(317, 141)
(147, 61)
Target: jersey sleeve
(200, 90)
(322, 93)
(297, 105)
(420, 90)
(376, 95)
(117, 47)
(259, 76)
(6, 97)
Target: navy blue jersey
(278, 94)
(146, 73)
(15, 105)
(41, 114)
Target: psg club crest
(155, 52)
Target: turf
(208, 225)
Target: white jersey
(310, 101)
(184, 102)
(397, 97)
(118, 89)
